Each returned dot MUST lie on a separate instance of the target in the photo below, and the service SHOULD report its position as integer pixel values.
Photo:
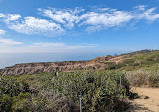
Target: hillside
(147, 59)
(104, 84)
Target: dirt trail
(149, 101)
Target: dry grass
(145, 78)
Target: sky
(78, 26)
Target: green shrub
(6, 102)
(11, 93)
(99, 90)
(11, 87)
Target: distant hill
(142, 51)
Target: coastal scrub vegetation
(100, 91)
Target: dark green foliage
(6, 102)
(100, 91)
(12, 87)
(10, 92)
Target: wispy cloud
(7, 45)
(61, 45)
(99, 18)
(67, 17)
(9, 42)
(60, 21)
(109, 18)
(141, 7)
(2, 32)
(41, 44)
(2, 15)
(150, 15)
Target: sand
(149, 101)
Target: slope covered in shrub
(100, 91)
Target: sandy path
(146, 105)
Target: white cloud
(140, 7)
(102, 17)
(103, 9)
(2, 15)
(99, 18)
(61, 21)
(32, 25)
(2, 32)
(9, 42)
(106, 19)
(12, 17)
(65, 16)
(149, 15)
(48, 44)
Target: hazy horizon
(9, 59)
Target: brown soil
(148, 101)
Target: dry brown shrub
(144, 78)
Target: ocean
(9, 59)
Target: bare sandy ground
(148, 102)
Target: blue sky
(78, 26)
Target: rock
(144, 97)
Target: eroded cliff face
(99, 63)
(33, 68)
(103, 58)
(47, 67)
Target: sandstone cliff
(32, 68)
(47, 67)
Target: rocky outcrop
(33, 68)
(104, 58)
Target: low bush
(101, 91)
